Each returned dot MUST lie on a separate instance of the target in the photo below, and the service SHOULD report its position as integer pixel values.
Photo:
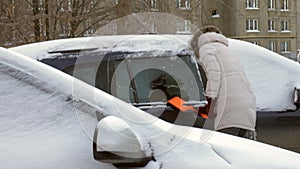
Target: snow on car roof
(119, 43)
(272, 76)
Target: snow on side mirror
(297, 97)
(116, 143)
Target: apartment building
(158, 16)
(268, 23)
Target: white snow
(39, 127)
(273, 77)
(132, 43)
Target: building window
(252, 25)
(284, 5)
(184, 27)
(255, 42)
(271, 4)
(272, 46)
(285, 26)
(284, 46)
(41, 5)
(271, 26)
(153, 4)
(214, 14)
(183, 4)
(251, 4)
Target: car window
(136, 80)
(141, 79)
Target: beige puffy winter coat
(233, 102)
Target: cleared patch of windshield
(142, 80)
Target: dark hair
(210, 28)
(195, 38)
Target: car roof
(177, 44)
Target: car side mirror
(116, 143)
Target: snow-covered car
(47, 116)
(148, 70)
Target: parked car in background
(148, 70)
(47, 118)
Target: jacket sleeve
(212, 70)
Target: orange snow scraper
(178, 103)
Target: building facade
(158, 16)
(268, 23)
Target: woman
(232, 104)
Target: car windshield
(156, 79)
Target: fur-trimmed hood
(211, 37)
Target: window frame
(187, 27)
(271, 25)
(272, 45)
(255, 42)
(186, 6)
(153, 5)
(252, 23)
(285, 26)
(252, 4)
(284, 5)
(284, 46)
(271, 4)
